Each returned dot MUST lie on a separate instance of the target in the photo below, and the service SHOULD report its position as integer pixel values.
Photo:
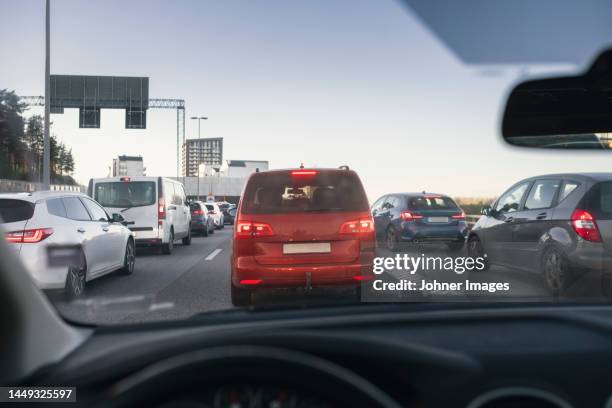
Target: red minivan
(301, 228)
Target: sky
(324, 83)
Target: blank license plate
(307, 248)
(437, 219)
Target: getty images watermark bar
(37, 394)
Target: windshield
(121, 194)
(204, 156)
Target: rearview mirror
(573, 112)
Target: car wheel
(391, 239)
(554, 270)
(205, 231)
(129, 260)
(187, 239)
(455, 246)
(241, 297)
(606, 283)
(222, 224)
(212, 230)
(166, 249)
(75, 280)
(476, 250)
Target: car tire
(606, 283)
(187, 239)
(166, 249)
(555, 270)
(129, 259)
(475, 250)
(240, 296)
(391, 240)
(76, 280)
(205, 231)
(455, 246)
(212, 230)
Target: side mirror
(118, 218)
(374, 212)
(487, 210)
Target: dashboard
(408, 355)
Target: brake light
(161, 211)
(212, 212)
(408, 216)
(28, 236)
(585, 226)
(362, 278)
(250, 281)
(253, 230)
(197, 212)
(361, 226)
(124, 179)
(304, 173)
(460, 216)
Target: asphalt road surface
(196, 279)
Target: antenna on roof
(424, 192)
(301, 165)
(344, 167)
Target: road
(196, 279)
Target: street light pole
(47, 144)
(199, 118)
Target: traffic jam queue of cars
(67, 239)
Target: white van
(156, 208)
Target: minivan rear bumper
(246, 268)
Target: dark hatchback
(555, 225)
(419, 218)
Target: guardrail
(471, 219)
(20, 186)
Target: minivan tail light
(161, 211)
(361, 226)
(253, 230)
(31, 236)
(460, 216)
(409, 216)
(585, 226)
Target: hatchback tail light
(248, 229)
(28, 236)
(409, 216)
(361, 226)
(212, 212)
(197, 212)
(460, 216)
(585, 226)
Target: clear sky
(322, 82)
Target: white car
(65, 239)
(217, 215)
(155, 207)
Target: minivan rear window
(279, 193)
(125, 194)
(424, 203)
(599, 200)
(15, 210)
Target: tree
(12, 148)
(34, 139)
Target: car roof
(40, 195)
(317, 169)
(592, 176)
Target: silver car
(65, 239)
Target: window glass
(15, 210)
(567, 189)
(542, 194)
(283, 193)
(56, 207)
(125, 194)
(511, 200)
(97, 212)
(378, 204)
(425, 203)
(75, 209)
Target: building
(242, 168)
(208, 151)
(128, 166)
(225, 182)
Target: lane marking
(213, 254)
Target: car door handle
(509, 220)
(105, 229)
(541, 216)
(81, 230)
